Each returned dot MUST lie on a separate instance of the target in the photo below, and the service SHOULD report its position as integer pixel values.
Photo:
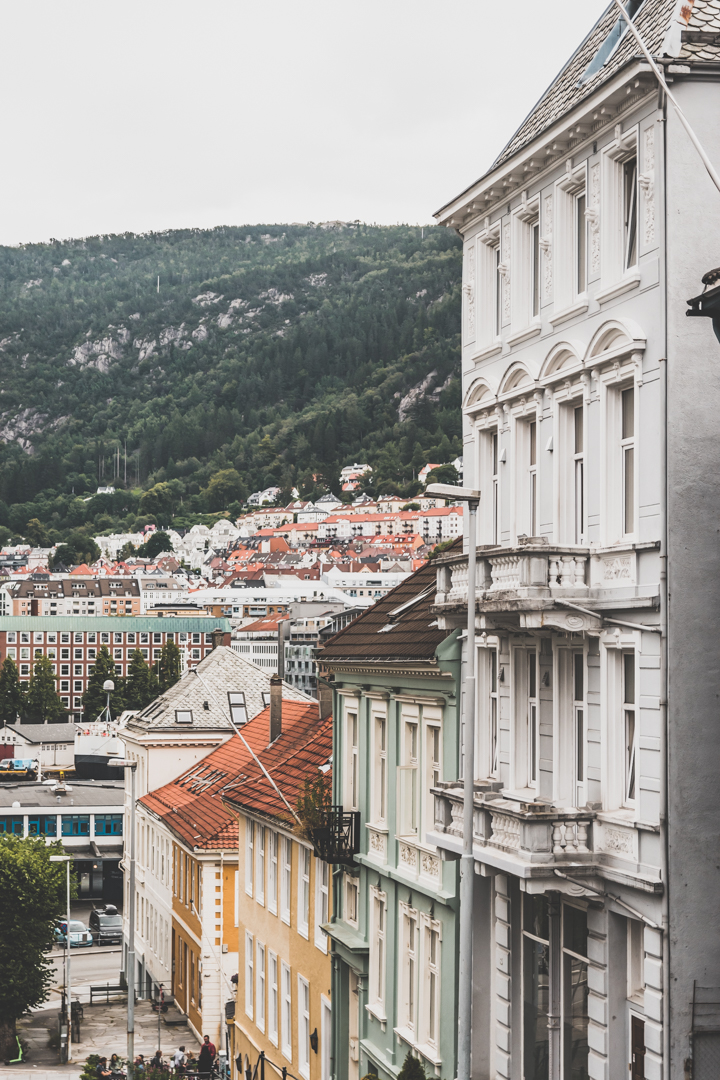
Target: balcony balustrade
(533, 839)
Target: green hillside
(267, 355)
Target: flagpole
(661, 79)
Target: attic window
(612, 41)
(266, 698)
(238, 710)
(183, 716)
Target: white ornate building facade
(591, 412)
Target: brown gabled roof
(193, 806)
(398, 627)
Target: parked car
(80, 936)
(106, 925)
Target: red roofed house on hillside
(170, 738)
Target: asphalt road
(88, 967)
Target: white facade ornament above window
(469, 292)
(646, 180)
(593, 217)
(546, 245)
(506, 274)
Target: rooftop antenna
(661, 79)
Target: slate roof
(192, 806)
(700, 42)
(40, 733)
(204, 691)
(389, 631)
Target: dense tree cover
(269, 355)
(32, 896)
(42, 702)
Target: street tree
(32, 896)
(12, 695)
(169, 666)
(95, 698)
(43, 704)
(142, 685)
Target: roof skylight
(612, 41)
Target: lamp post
(67, 859)
(123, 763)
(467, 869)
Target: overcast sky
(154, 114)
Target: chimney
(217, 637)
(325, 697)
(276, 685)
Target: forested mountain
(204, 365)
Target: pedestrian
(205, 1061)
(102, 1071)
(179, 1060)
(157, 1061)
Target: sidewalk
(103, 1031)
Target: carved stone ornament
(547, 248)
(618, 568)
(469, 292)
(647, 183)
(594, 219)
(430, 865)
(506, 275)
(408, 856)
(621, 842)
(377, 843)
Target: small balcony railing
(337, 838)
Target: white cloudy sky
(154, 114)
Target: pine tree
(12, 695)
(169, 666)
(412, 1069)
(142, 684)
(95, 698)
(42, 702)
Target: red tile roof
(192, 806)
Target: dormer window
(612, 41)
(183, 716)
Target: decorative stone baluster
(553, 571)
(567, 572)
(582, 832)
(558, 837)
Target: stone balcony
(533, 839)
(533, 577)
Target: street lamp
(472, 498)
(708, 302)
(67, 859)
(122, 763)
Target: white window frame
(430, 986)
(249, 974)
(379, 778)
(322, 902)
(526, 719)
(272, 890)
(616, 276)
(303, 1008)
(408, 786)
(351, 900)
(352, 760)
(409, 972)
(569, 298)
(260, 864)
(260, 977)
(487, 297)
(635, 961)
(377, 988)
(249, 855)
(286, 1010)
(237, 898)
(630, 715)
(525, 230)
(285, 879)
(628, 446)
(303, 898)
(432, 725)
(273, 998)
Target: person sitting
(116, 1066)
(179, 1060)
(139, 1064)
(157, 1061)
(101, 1070)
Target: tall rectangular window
(536, 986)
(249, 855)
(430, 973)
(498, 281)
(580, 244)
(304, 892)
(272, 871)
(409, 779)
(249, 971)
(286, 992)
(532, 735)
(628, 680)
(352, 761)
(579, 477)
(260, 975)
(376, 989)
(575, 994)
(379, 779)
(532, 476)
(493, 711)
(630, 212)
(286, 880)
(495, 477)
(535, 268)
(273, 998)
(409, 968)
(304, 1026)
(322, 890)
(628, 459)
(351, 900)
(260, 864)
(579, 724)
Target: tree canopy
(12, 695)
(42, 702)
(32, 896)
(95, 698)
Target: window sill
(626, 284)
(379, 1014)
(578, 308)
(486, 352)
(524, 335)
